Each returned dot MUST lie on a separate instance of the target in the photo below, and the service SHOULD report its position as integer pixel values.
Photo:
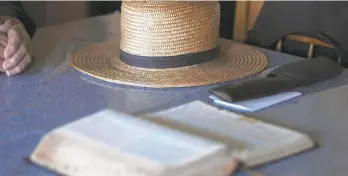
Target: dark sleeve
(15, 9)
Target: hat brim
(236, 61)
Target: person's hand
(3, 43)
(18, 51)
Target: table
(51, 93)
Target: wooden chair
(245, 17)
(311, 41)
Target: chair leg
(310, 50)
(339, 60)
(279, 45)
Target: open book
(189, 140)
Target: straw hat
(169, 44)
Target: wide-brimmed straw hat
(169, 44)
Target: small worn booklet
(194, 139)
(257, 103)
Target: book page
(143, 139)
(250, 133)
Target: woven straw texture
(236, 61)
(169, 28)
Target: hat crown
(169, 28)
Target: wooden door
(245, 17)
